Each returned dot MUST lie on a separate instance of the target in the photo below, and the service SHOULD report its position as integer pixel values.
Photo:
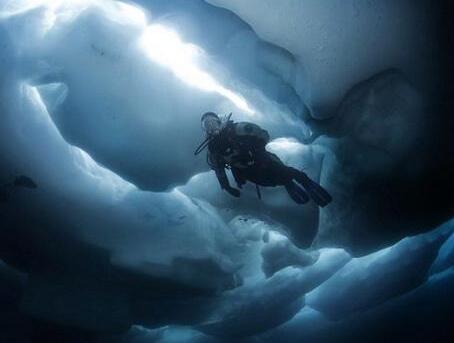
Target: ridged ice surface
(128, 233)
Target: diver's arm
(219, 169)
(224, 182)
(222, 177)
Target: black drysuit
(240, 147)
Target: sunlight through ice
(61, 11)
(160, 44)
(166, 48)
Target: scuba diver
(240, 147)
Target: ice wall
(123, 102)
(337, 44)
(379, 88)
(97, 107)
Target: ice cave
(113, 231)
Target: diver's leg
(316, 192)
(275, 169)
(297, 194)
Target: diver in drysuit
(240, 147)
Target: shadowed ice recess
(128, 236)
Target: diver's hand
(233, 191)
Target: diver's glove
(233, 191)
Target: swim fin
(315, 191)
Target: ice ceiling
(128, 234)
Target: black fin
(315, 191)
(297, 194)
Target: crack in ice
(165, 47)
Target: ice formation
(128, 234)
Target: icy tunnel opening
(139, 74)
(86, 86)
(125, 104)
